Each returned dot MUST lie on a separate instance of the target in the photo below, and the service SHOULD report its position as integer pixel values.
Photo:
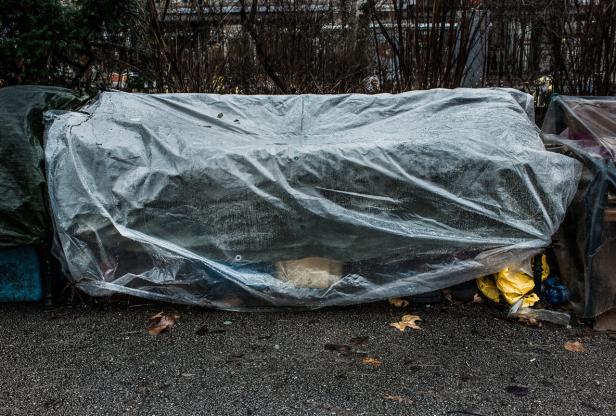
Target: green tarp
(23, 214)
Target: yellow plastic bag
(512, 284)
(487, 286)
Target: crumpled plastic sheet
(305, 201)
(589, 121)
(584, 128)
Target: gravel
(469, 359)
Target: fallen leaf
(574, 346)
(372, 361)
(398, 303)
(161, 322)
(399, 399)
(529, 320)
(533, 322)
(407, 321)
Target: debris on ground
(398, 303)
(161, 322)
(534, 317)
(399, 399)
(407, 321)
(371, 361)
(340, 348)
(348, 350)
(204, 330)
(359, 340)
(575, 346)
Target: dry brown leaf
(373, 361)
(574, 346)
(407, 321)
(161, 322)
(528, 320)
(398, 303)
(399, 399)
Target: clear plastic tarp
(590, 121)
(585, 128)
(251, 202)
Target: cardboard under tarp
(201, 198)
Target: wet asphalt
(98, 359)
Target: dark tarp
(241, 202)
(585, 245)
(23, 215)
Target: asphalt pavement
(468, 359)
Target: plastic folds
(246, 202)
(584, 128)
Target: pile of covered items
(252, 202)
(585, 245)
(25, 226)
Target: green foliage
(32, 35)
(54, 42)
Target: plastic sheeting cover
(590, 121)
(23, 212)
(585, 129)
(246, 202)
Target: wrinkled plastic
(590, 121)
(512, 284)
(586, 242)
(220, 200)
(585, 128)
(519, 311)
(487, 286)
